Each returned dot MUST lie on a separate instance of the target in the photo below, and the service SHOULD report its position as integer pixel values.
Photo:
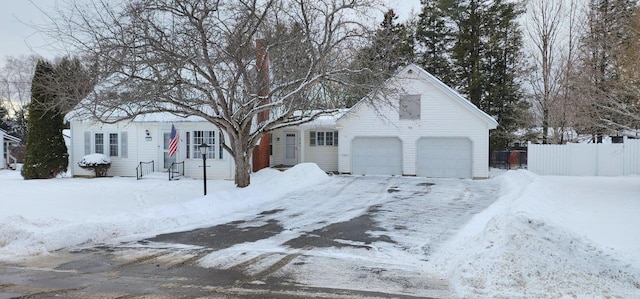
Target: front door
(290, 148)
(165, 151)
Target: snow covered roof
(7, 137)
(326, 120)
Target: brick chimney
(262, 151)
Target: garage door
(444, 157)
(376, 155)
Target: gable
(436, 99)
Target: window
(99, 144)
(196, 138)
(113, 144)
(320, 138)
(409, 107)
(328, 138)
(323, 138)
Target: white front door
(290, 149)
(166, 138)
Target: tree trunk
(545, 124)
(242, 158)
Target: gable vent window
(409, 107)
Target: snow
(94, 159)
(550, 237)
(544, 236)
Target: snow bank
(535, 243)
(60, 213)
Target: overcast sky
(17, 37)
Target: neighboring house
(424, 129)
(146, 138)
(8, 142)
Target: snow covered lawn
(533, 236)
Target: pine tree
(501, 67)
(435, 39)
(391, 47)
(475, 46)
(45, 154)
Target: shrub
(98, 162)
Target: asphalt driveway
(353, 236)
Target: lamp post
(203, 150)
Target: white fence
(585, 159)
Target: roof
(325, 120)
(491, 122)
(6, 136)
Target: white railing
(585, 159)
(15, 162)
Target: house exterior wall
(3, 162)
(326, 157)
(440, 116)
(144, 148)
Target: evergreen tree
(475, 46)
(46, 154)
(501, 68)
(434, 36)
(391, 47)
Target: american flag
(173, 143)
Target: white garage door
(376, 155)
(444, 157)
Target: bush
(98, 162)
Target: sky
(535, 237)
(19, 37)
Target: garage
(444, 157)
(377, 155)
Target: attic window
(409, 107)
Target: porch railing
(144, 168)
(176, 170)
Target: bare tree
(15, 90)
(198, 57)
(607, 72)
(15, 81)
(545, 32)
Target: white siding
(119, 166)
(143, 148)
(441, 116)
(3, 162)
(326, 157)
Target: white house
(424, 129)
(146, 138)
(316, 141)
(8, 141)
